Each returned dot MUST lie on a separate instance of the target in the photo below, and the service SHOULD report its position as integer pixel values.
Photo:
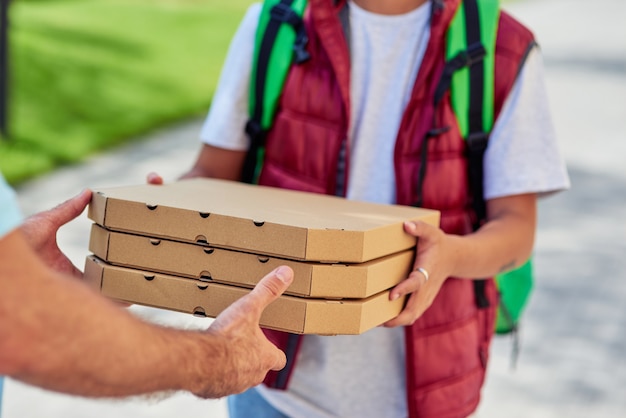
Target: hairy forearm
(74, 341)
(85, 358)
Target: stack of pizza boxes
(198, 245)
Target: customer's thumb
(271, 287)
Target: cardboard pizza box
(261, 220)
(312, 279)
(287, 313)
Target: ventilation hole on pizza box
(203, 286)
(258, 223)
(199, 312)
(205, 276)
(155, 241)
(263, 259)
(208, 250)
(148, 277)
(201, 239)
(151, 207)
(204, 214)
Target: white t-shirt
(364, 376)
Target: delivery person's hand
(40, 232)
(428, 275)
(154, 178)
(502, 243)
(247, 354)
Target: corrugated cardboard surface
(257, 219)
(287, 313)
(244, 269)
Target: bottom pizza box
(287, 313)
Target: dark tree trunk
(4, 67)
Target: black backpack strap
(469, 58)
(477, 138)
(281, 13)
(257, 140)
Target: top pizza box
(257, 219)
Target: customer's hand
(40, 231)
(249, 355)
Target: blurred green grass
(87, 75)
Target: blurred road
(573, 338)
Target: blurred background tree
(87, 75)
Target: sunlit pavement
(573, 338)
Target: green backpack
(472, 97)
(281, 41)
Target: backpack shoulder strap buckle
(477, 142)
(299, 47)
(474, 53)
(466, 58)
(254, 130)
(284, 13)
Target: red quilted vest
(448, 347)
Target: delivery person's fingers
(427, 236)
(417, 278)
(154, 178)
(420, 230)
(426, 277)
(416, 304)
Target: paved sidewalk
(573, 341)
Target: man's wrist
(203, 360)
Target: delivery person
(359, 119)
